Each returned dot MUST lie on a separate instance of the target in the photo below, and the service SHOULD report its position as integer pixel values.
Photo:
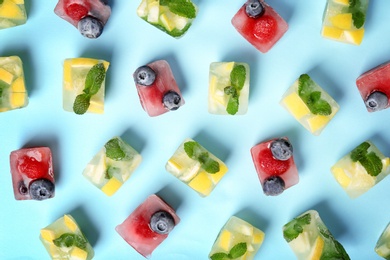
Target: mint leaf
(238, 76)
(295, 227)
(183, 8)
(114, 151)
(360, 151)
(196, 152)
(219, 256)
(372, 163)
(1, 1)
(94, 79)
(311, 97)
(238, 250)
(358, 18)
(332, 248)
(232, 106)
(81, 104)
(352, 3)
(69, 240)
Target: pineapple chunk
(6, 76)
(70, 223)
(296, 105)
(225, 240)
(111, 186)
(354, 36)
(10, 10)
(342, 21)
(331, 32)
(201, 183)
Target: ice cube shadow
(171, 196)
(102, 52)
(250, 57)
(249, 215)
(53, 143)
(213, 145)
(133, 139)
(29, 76)
(283, 8)
(381, 143)
(86, 226)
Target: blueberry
(22, 188)
(281, 149)
(41, 189)
(273, 186)
(171, 100)
(254, 8)
(162, 222)
(90, 27)
(144, 76)
(377, 101)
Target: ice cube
(32, 173)
(382, 247)
(149, 225)
(275, 166)
(63, 239)
(259, 24)
(312, 106)
(12, 13)
(195, 166)
(81, 83)
(228, 88)
(237, 238)
(112, 165)
(374, 87)
(88, 16)
(343, 20)
(309, 238)
(13, 93)
(168, 16)
(157, 88)
(361, 169)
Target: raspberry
(76, 11)
(265, 28)
(270, 165)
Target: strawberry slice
(270, 165)
(32, 168)
(265, 29)
(76, 11)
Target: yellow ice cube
(342, 178)
(331, 32)
(295, 105)
(201, 183)
(216, 177)
(78, 254)
(317, 249)
(18, 86)
(70, 223)
(17, 100)
(111, 186)
(48, 235)
(317, 122)
(225, 240)
(10, 10)
(355, 36)
(6, 76)
(342, 21)
(342, 2)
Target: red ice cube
(263, 31)
(152, 96)
(376, 80)
(136, 230)
(268, 167)
(32, 173)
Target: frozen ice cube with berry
(12, 13)
(259, 24)
(88, 16)
(148, 225)
(157, 88)
(112, 165)
(361, 169)
(309, 238)
(275, 166)
(63, 240)
(32, 173)
(237, 239)
(374, 87)
(195, 166)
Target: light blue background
(128, 42)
